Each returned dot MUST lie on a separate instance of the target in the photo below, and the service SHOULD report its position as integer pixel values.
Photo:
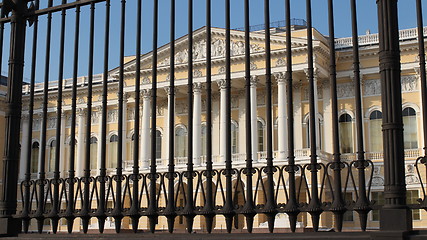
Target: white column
(222, 120)
(25, 146)
(99, 146)
(316, 105)
(62, 144)
(80, 143)
(124, 128)
(327, 117)
(299, 132)
(197, 124)
(145, 129)
(254, 119)
(167, 125)
(281, 116)
(242, 123)
(215, 127)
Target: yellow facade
(346, 105)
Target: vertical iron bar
(134, 210)
(170, 211)
(117, 212)
(228, 208)
(249, 207)
(56, 202)
(422, 75)
(27, 204)
(69, 213)
(292, 206)
(189, 206)
(208, 210)
(314, 204)
(84, 213)
(362, 203)
(338, 204)
(100, 213)
(42, 161)
(8, 202)
(391, 94)
(270, 206)
(152, 211)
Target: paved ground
(416, 235)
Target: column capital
(197, 87)
(315, 72)
(325, 83)
(297, 85)
(254, 81)
(168, 90)
(25, 117)
(280, 77)
(98, 108)
(126, 96)
(63, 114)
(145, 93)
(221, 83)
(81, 112)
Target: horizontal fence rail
(204, 132)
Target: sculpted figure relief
(218, 50)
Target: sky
(367, 20)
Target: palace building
(371, 104)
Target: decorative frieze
(112, 115)
(218, 50)
(280, 62)
(345, 90)
(372, 87)
(197, 73)
(51, 123)
(409, 83)
(131, 114)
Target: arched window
(410, 128)
(346, 133)
(93, 152)
(35, 148)
(180, 142)
(203, 131)
(260, 127)
(234, 137)
(112, 151)
(158, 144)
(375, 134)
(50, 164)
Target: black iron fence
(314, 187)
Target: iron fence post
(8, 202)
(395, 215)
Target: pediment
(199, 48)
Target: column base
(396, 220)
(10, 226)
